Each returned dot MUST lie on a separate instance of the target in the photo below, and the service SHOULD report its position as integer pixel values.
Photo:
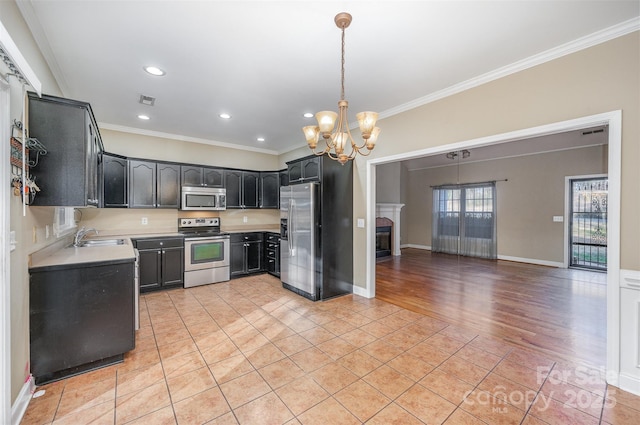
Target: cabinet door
(168, 176)
(172, 266)
(295, 172)
(91, 174)
(142, 184)
(254, 256)
(233, 182)
(311, 169)
(213, 177)
(150, 269)
(284, 178)
(270, 190)
(237, 261)
(250, 189)
(191, 176)
(115, 171)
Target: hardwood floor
(555, 311)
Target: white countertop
(63, 253)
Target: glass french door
(588, 223)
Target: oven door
(205, 253)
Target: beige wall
(30, 229)
(388, 177)
(527, 202)
(149, 147)
(600, 79)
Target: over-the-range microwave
(203, 198)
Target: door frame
(567, 211)
(614, 120)
(5, 256)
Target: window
(63, 221)
(464, 220)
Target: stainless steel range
(206, 251)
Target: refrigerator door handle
(292, 228)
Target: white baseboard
(558, 264)
(411, 245)
(629, 384)
(22, 401)
(357, 290)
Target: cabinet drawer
(159, 243)
(273, 237)
(246, 237)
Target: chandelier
(336, 141)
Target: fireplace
(384, 229)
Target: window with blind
(464, 220)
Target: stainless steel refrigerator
(316, 241)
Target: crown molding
(151, 133)
(574, 46)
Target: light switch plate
(558, 219)
(361, 222)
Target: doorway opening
(588, 223)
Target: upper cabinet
(115, 176)
(168, 185)
(269, 189)
(202, 176)
(68, 174)
(153, 185)
(243, 188)
(304, 170)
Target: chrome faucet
(80, 234)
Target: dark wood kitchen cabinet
(115, 177)
(272, 253)
(304, 170)
(246, 253)
(168, 185)
(68, 174)
(161, 263)
(142, 184)
(243, 188)
(81, 317)
(202, 176)
(153, 185)
(269, 189)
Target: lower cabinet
(81, 317)
(246, 253)
(161, 263)
(272, 253)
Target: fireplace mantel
(392, 211)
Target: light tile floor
(250, 352)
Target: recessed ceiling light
(143, 117)
(154, 70)
(225, 116)
(308, 115)
(260, 139)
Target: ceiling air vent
(147, 100)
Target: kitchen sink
(102, 242)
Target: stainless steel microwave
(203, 198)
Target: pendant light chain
(342, 73)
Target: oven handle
(206, 238)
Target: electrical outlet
(245, 219)
(361, 222)
(145, 220)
